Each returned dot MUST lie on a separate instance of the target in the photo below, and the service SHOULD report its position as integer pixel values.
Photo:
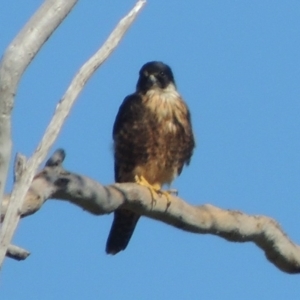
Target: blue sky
(237, 65)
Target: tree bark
(55, 182)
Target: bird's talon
(154, 190)
(167, 195)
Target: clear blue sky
(237, 64)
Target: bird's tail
(121, 230)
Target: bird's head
(154, 74)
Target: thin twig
(17, 253)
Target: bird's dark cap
(153, 67)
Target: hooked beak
(152, 78)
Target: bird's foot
(155, 189)
(167, 195)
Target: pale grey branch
(17, 253)
(55, 182)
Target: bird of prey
(153, 140)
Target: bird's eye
(162, 73)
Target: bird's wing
(128, 142)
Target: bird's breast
(166, 105)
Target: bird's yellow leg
(153, 188)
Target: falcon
(153, 140)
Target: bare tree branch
(62, 110)
(55, 182)
(17, 253)
(16, 59)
